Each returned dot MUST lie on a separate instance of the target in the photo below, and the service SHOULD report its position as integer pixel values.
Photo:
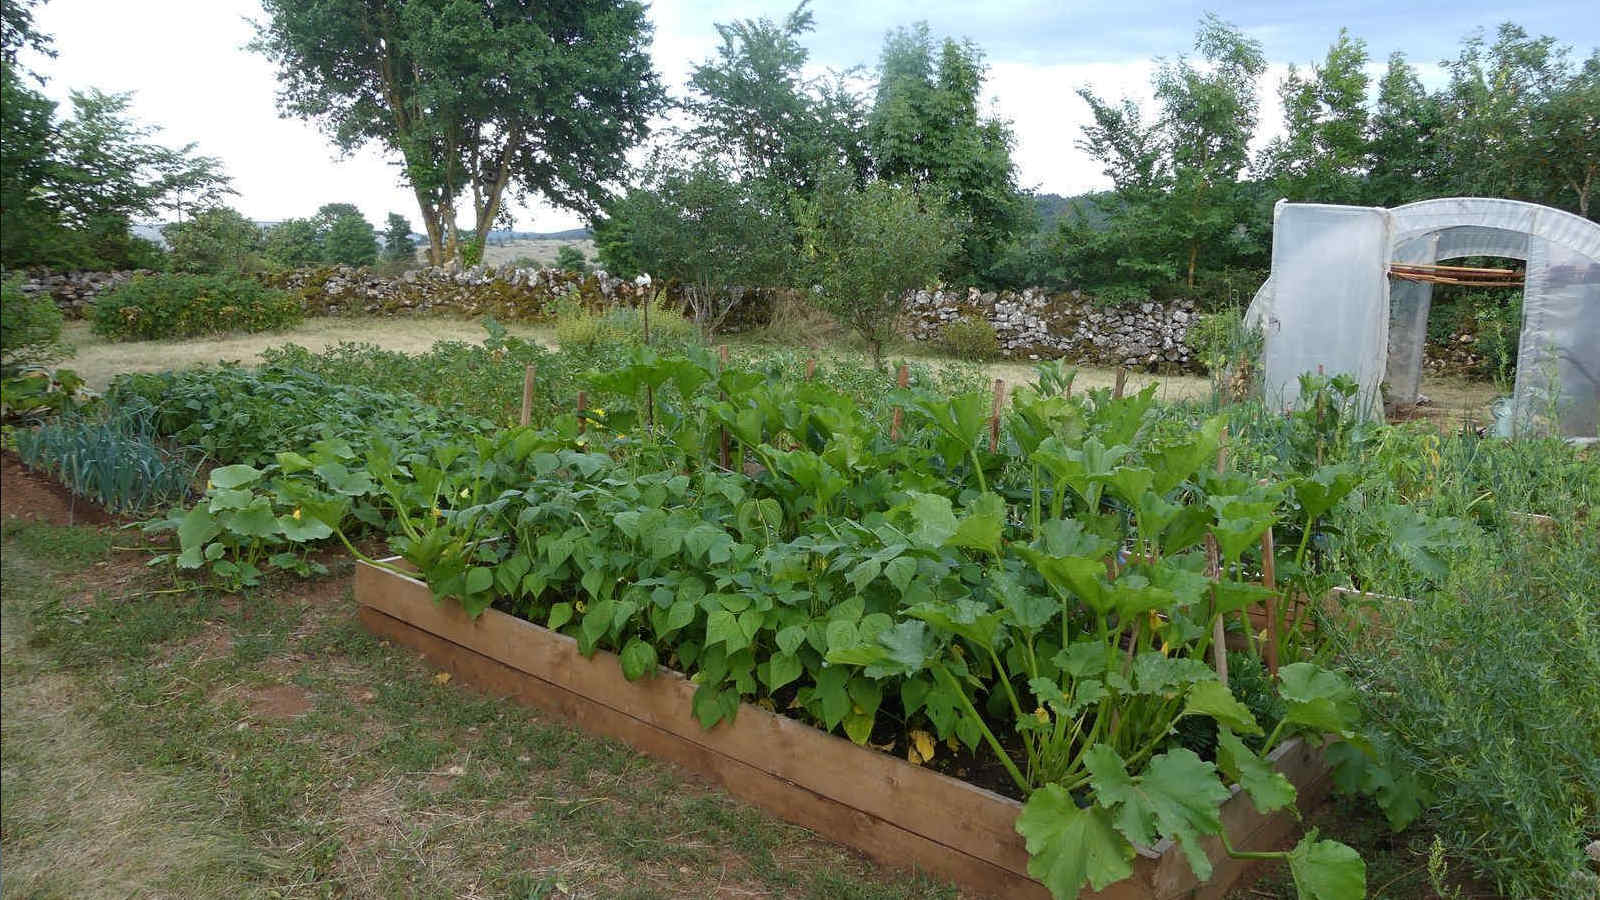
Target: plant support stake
(994, 414)
(527, 396)
(901, 378)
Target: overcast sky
(186, 63)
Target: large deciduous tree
(1178, 178)
(1401, 161)
(1322, 156)
(926, 130)
(756, 110)
(1520, 119)
(482, 100)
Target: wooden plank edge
(883, 841)
(1162, 871)
(947, 810)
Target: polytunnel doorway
(1330, 303)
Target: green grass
(389, 783)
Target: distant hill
(506, 235)
(1052, 208)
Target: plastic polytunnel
(1331, 305)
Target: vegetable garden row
(1037, 593)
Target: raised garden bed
(898, 813)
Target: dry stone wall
(74, 292)
(1030, 324)
(1034, 324)
(506, 292)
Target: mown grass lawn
(193, 744)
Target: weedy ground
(1455, 401)
(169, 742)
(159, 741)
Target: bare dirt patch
(99, 360)
(278, 701)
(32, 496)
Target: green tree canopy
(864, 249)
(1322, 156)
(397, 239)
(482, 101)
(926, 131)
(351, 241)
(72, 189)
(697, 225)
(1401, 162)
(766, 121)
(1520, 119)
(1178, 178)
(293, 243)
(213, 241)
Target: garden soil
(36, 497)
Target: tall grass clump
(158, 307)
(1483, 686)
(115, 460)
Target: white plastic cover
(1330, 307)
(1558, 356)
(1558, 371)
(1409, 302)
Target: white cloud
(192, 74)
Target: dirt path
(99, 360)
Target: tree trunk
(430, 224)
(1194, 254)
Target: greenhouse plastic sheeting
(1318, 306)
(1409, 302)
(1330, 298)
(1558, 356)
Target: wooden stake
(1122, 380)
(1219, 636)
(1269, 565)
(994, 414)
(811, 368)
(722, 363)
(902, 378)
(582, 402)
(527, 396)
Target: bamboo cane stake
(527, 396)
(994, 414)
(722, 364)
(1219, 650)
(902, 378)
(1269, 579)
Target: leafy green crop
(1050, 602)
(115, 460)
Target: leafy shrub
(971, 338)
(30, 328)
(115, 461)
(571, 259)
(1484, 692)
(215, 240)
(176, 306)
